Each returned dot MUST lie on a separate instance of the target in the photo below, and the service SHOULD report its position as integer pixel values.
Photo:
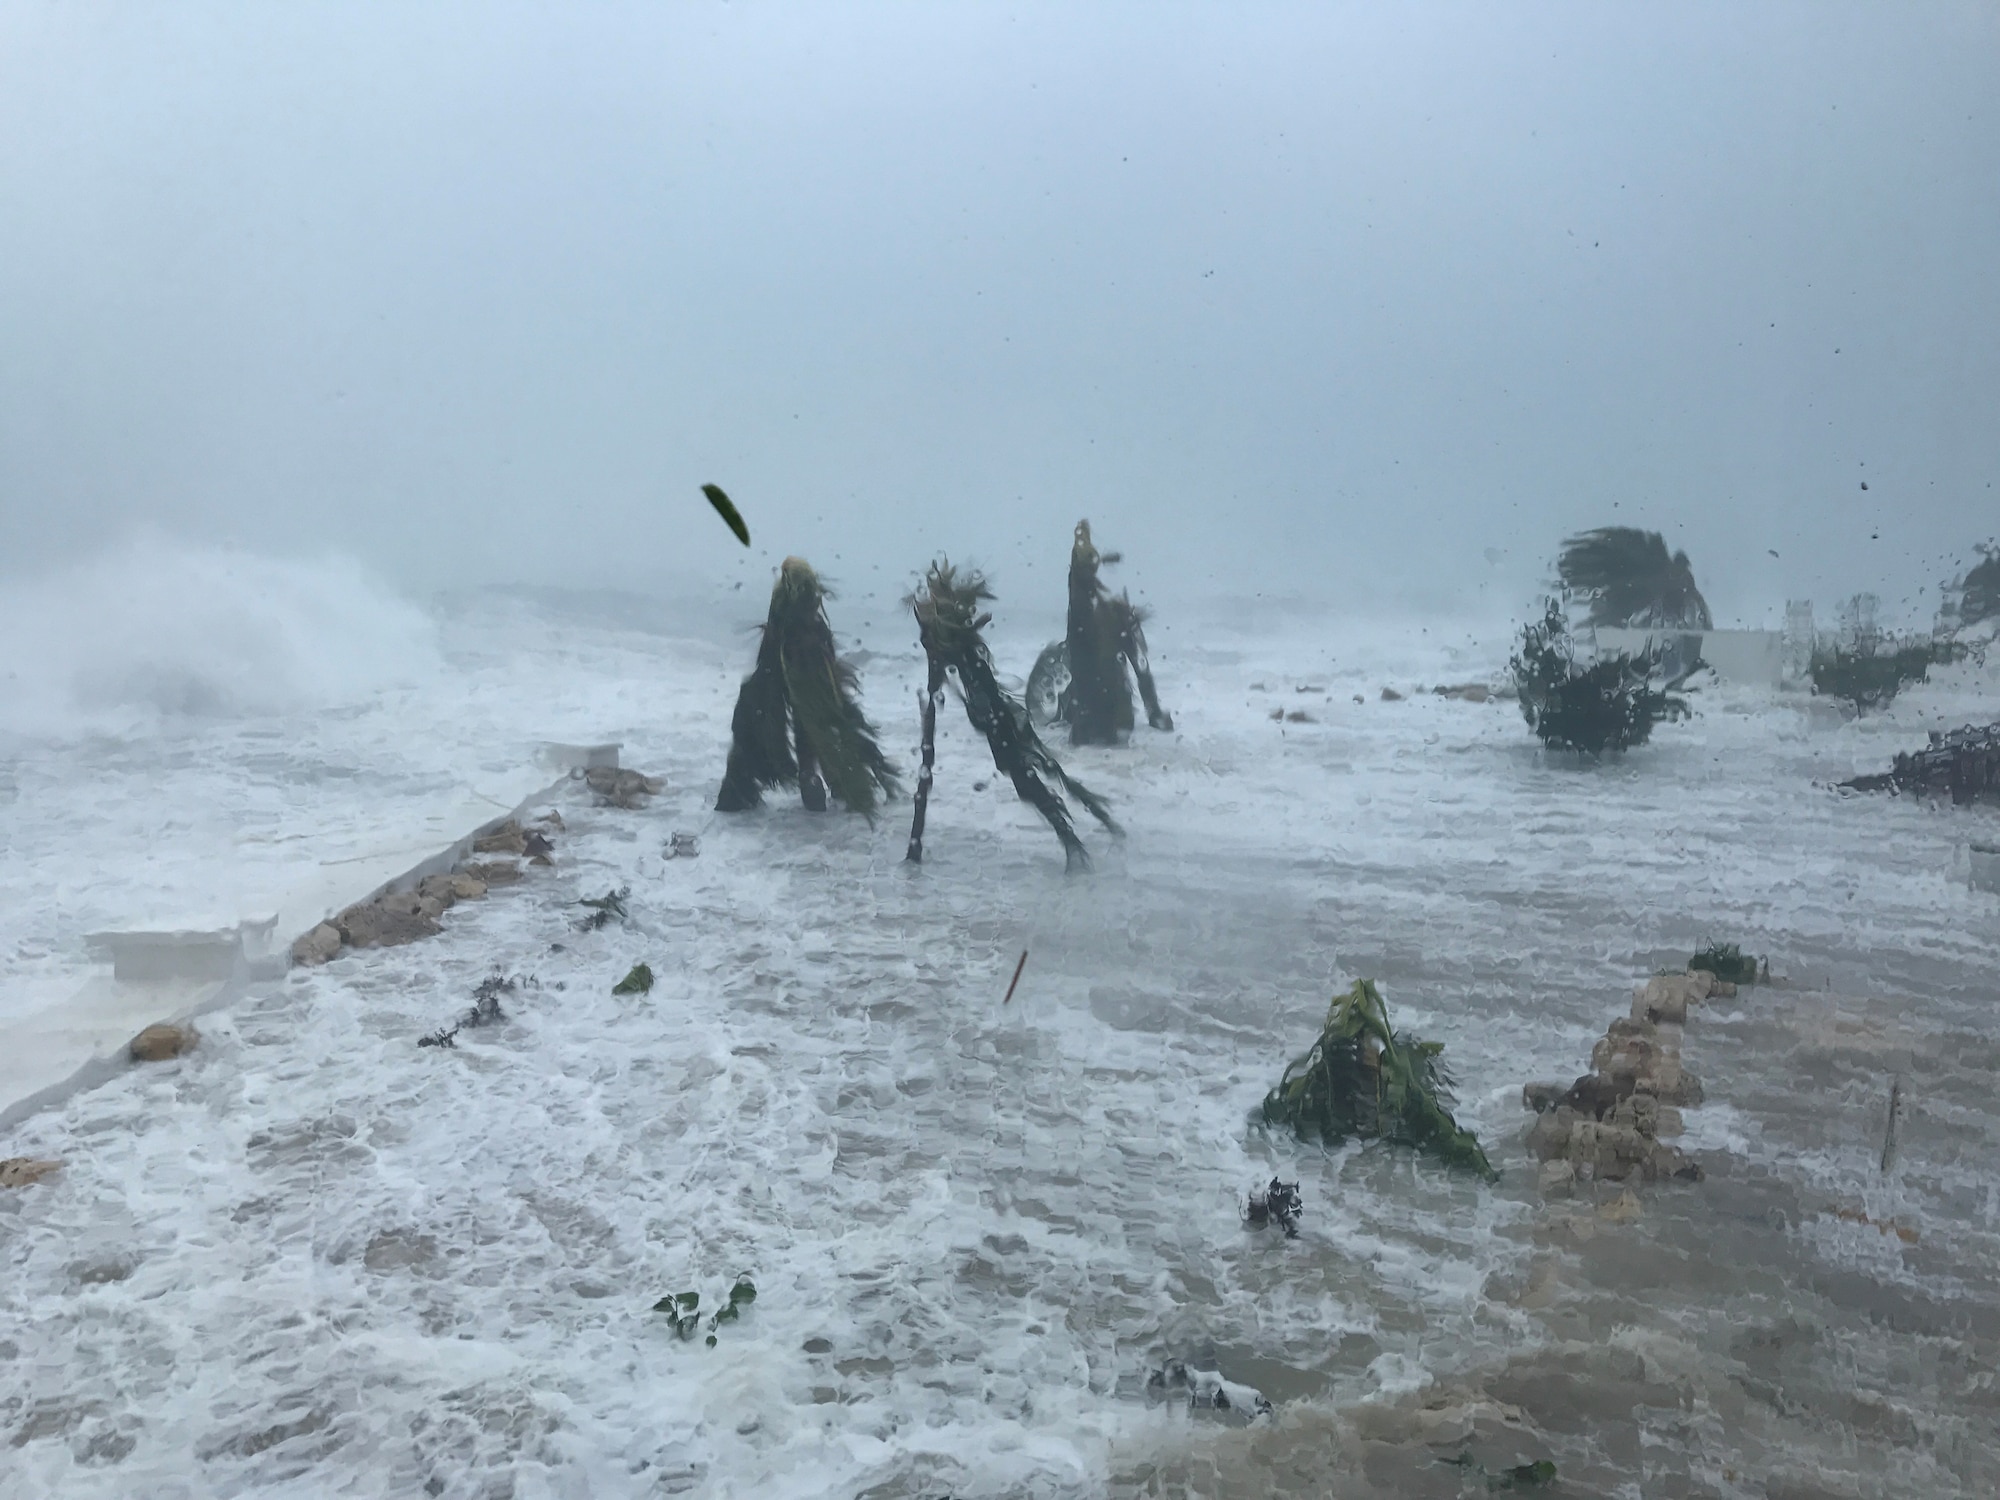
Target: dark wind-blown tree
(1082, 679)
(798, 720)
(1606, 704)
(949, 624)
(1627, 578)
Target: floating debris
(638, 982)
(1205, 1390)
(1535, 1476)
(1963, 762)
(603, 908)
(683, 846)
(1726, 962)
(23, 1171)
(1278, 1204)
(683, 1309)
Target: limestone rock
(1549, 1136)
(506, 839)
(160, 1041)
(621, 788)
(467, 887)
(1556, 1179)
(1541, 1097)
(317, 946)
(1623, 1209)
(21, 1171)
(490, 873)
(388, 922)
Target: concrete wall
(1755, 657)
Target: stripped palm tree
(949, 623)
(798, 720)
(1081, 680)
(1627, 578)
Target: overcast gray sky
(1378, 299)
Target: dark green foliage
(1628, 579)
(603, 909)
(726, 509)
(797, 716)
(1870, 678)
(1538, 1475)
(1963, 763)
(1979, 595)
(949, 623)
(683, 1310)
(1362, 1079)
(638, 982)
(1609, 705)
(1084, 680)
(1726, 961)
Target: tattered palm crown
(1627, 578)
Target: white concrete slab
(75, 1039)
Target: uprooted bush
(1871, 678)
(1607, 704)
(1726, 962)
(1365, 1080)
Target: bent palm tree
(798, 720)
(1627, 578)
(949, 622)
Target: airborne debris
(726, 508)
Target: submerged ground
(312, 1258)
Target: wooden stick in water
(1889, 1134)
(1017, 975)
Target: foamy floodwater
(312, 1258)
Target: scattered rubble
(1205, 1390)
(23, 1171)
(485, 1010)
(687, 846)
(159, 1042)
(603, 908)
(626, 789)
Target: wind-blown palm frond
(1628, 578)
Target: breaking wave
(154, 630)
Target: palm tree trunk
(931, 697)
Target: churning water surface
(312, 1258)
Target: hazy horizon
(1354, 302)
